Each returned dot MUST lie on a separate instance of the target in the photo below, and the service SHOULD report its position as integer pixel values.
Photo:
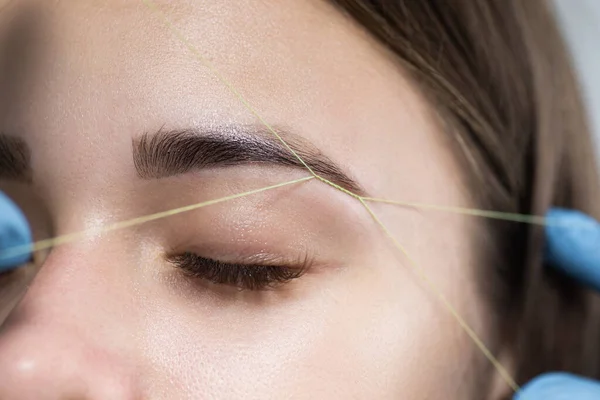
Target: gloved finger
(573, 245)
(560, 386)
(14, 231)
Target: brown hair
(500, 75)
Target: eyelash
(252, 277)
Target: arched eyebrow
(15, 164)
(175, 152)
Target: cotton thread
(416, 267)
(505, 216)
(72, 237)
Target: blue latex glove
(573, 246)
(14, 231)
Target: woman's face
(121, 120)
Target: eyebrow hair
(15, 158)
(175, 152)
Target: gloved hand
(14, 231)
(573, 247)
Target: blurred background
(580, 20)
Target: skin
(108, 317)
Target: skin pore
(111, 317)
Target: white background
(580, 20)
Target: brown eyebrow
(15, 158)
(175, 152)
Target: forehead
(304, 51)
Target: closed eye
(251, 276)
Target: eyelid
(270, 259)
(246, 255)
(246, 275)
(303, 261)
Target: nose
(40, 363)
(69, 338)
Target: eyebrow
(175, 152)
(15, 158)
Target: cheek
(368, 332)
